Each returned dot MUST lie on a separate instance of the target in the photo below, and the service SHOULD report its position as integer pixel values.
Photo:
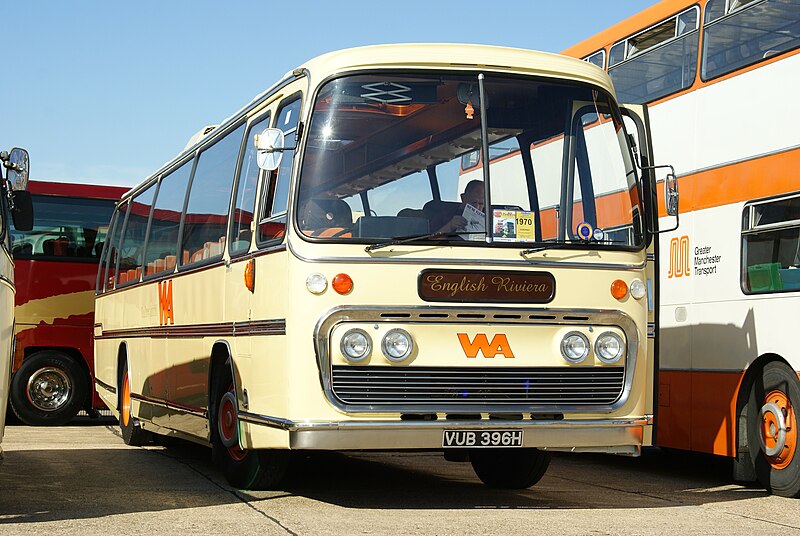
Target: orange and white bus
(308, 274)
(719, 78)
(15, 205)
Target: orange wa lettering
(165, 315)
(480, 343)
(679, 264)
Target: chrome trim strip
(8, 282)
(104, 385)
(384, 257)
(232, 329)
(471, 315)
(729, 371)
(197, 412)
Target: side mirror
(21, 206)
(269, 145)
(18, 165)
(671, 194)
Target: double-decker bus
(14, 199)
(719, 79)
(309, 275)
(55, 271)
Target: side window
(131, 250)
(750, 32)
(771, 246)
(246, 186)
(206, 221)
(71, 228)
(598, 59)
(272, 220)
(657, 61)
(162, 242)
(112, 255)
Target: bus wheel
(509, 468)
(243, 469)
(132, 432)
(50, 388)
(772, 429)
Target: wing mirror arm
(270, 148)
(671, 195)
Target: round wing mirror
(18, 165)
(269, 145)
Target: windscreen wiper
(550, 245)
(405, 240)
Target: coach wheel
(243, 468)
(50, 388)
(132, 432)
(510, 468)
(772, 429)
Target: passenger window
(131, 251)
(244, 205)
(272, 223)
(771, 246)
(112, 255)
(751, 32)
(206, 221)
(162, 243)
(598, 59)
(657, 61)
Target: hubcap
(228, 426)
(126, 401)
(49, 389)
(777, 431)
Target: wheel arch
(122, 362)
(221, 357)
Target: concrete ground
(82, 479)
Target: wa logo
(165, 313)
(498, 345)
(679, 264)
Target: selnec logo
(679, 264)
(480, 343)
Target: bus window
(65, 228)
(598, 59)
(244, 204)
(771, 246)
(131, 251)
(206, 220)
(272, 223)
(657, 61)
(163, 239)
(112, 256)
(748, 34)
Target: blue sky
(106, 92)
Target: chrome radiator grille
(453, 387)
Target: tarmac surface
(82, 479)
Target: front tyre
(772, 434)
(50, 388)
(510, 468)
(243, 469)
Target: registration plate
(481, 438)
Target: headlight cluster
(608, 347)
(397, 345)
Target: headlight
(356, 345)
(574, 347)
(609, 347)
(397, 345)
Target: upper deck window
(65, 228)
(740, 33)
(657, 61)
(395, 155)
(598, 59)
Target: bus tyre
(510, 468)
(50, 388)
(243, 468)
(772, 434)
(132, 432)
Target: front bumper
(617, 436)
